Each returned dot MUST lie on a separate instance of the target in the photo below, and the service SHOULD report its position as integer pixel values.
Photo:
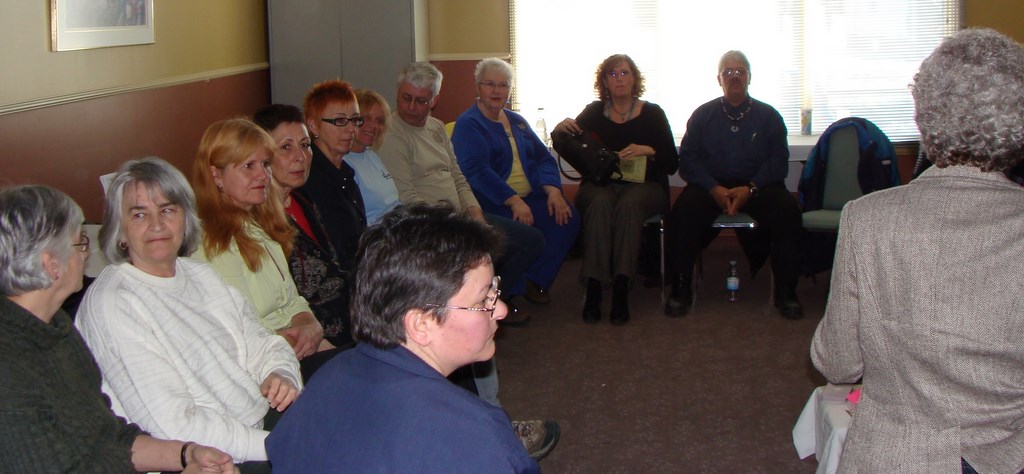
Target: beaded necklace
(735, 128)
(624, 116)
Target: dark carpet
(716, 391)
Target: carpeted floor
(716, 391)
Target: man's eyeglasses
(490, 303)
(343, 121)
(623, 74)
(739, 72)
(420, 101)
(83, 245)
(494, 85)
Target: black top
(650, 127)
(756, 150)
(337, 196)
(319, 278)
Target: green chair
(841, 185)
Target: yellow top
(517, 177)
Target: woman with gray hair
(513, 174)
(182, 352)
(54, 417)
(927, 300)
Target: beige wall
(194, 38)
(468, 29)
(1006, 16)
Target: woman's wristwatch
(753, 188)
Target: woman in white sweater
(182, 352)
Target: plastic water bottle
(541, 127)
(732, 282)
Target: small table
(822, 426)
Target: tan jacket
(927, 304)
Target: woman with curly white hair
(927, 300)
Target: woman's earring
(220, 187)
(122, 245)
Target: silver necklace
(735, 128)
(624, 116)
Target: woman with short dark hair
(426, 303)
(313, 261)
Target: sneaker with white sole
(539, 437)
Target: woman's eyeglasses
(490, 303)
(494, 85)
(83, 245)
(343, 121)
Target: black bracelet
(184, 447)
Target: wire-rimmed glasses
(83, 245)
(490, 304)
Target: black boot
(620, 300)
(681, 298)
(592, 303)
(514, 318)
(785, 300)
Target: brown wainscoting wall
(69, 146)
(458, 89)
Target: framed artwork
(87, 24)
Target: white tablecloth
(821, 428)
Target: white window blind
(837, 57)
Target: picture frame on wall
(88, 24)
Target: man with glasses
(734, 158)
(419, 155)
(421, 159)
(425, 303)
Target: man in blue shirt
(734, 157)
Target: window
(837, 57)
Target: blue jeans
(523, 244)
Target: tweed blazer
(927, 305)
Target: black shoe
(787, 303)
(620, 300)
(592, 303)
(515, 318)
(681, 298)
(536, 294)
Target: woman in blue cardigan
(513, 174)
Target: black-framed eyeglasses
(490, 303)
(739, 72)
(495, 85)
(83, 245)
(343, 121)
